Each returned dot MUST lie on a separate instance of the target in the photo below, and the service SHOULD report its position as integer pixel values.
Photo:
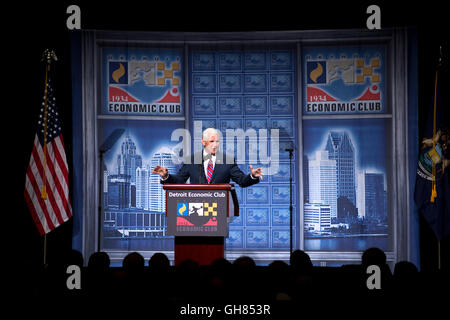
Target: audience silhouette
(240, 281)
(159, 262)
(301, 262)
(376, 256)
(99, 278)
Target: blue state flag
(432, 189)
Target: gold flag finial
(48, 56)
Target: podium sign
(198, 217)
(193, 212)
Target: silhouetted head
(99, 261)
(221, 264)
(278, 265)
(159, 261)
(244, 263)
(278, 268)
(373, 256)
(300, 261)
(133, 262)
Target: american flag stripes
(47, 177)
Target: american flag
(47, 177)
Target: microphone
(289, 149)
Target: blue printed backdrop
(133, 198)
(346, 167)
(255, 90)
(142, 82)
(344, 80)
(357, 196)
(252, 89)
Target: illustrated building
(317, 217)
(119, 191)
(157, 199)
(371, 196)
(322, 181)
(135, 209)
(128, 160)
(142, 188)
(340, 148)
(374, 194)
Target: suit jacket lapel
(199, 168)
(202, 178)
(217, 167)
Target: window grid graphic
(251, 89)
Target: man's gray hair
(209, 132)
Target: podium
(198, 217)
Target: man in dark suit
(213, 168)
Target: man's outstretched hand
(256, 173)
(163, 172)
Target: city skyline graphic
(133, 198)
(340, 199)
(344, 183)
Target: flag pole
(433, 192)
(439, 254)
(433, 181)
(45, 250)
(47, 57)
(44, 177)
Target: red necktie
(209, 171)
